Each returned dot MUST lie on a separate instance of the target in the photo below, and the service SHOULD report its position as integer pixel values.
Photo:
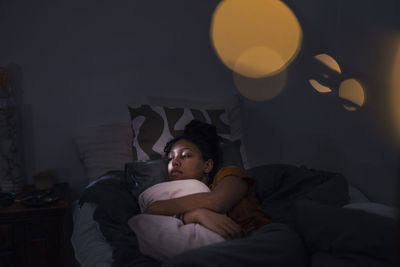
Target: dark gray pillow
(231, 154)
(265, 178)
(142, 174)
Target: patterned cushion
(154, 126)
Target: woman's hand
(153, 208)
(218, 223)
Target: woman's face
(186, 162)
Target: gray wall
(79, 63)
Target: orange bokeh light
(255, 38)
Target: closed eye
(186, 156)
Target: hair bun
(203, 130)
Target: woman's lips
(175, 172)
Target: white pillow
(162, 237)
(104, 147)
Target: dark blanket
(311, 202)
(336, 236)
(115, 205)
(280, 186)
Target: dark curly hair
(205, 137)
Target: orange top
(247, 213)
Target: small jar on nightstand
(31, 228)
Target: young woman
(230, 208)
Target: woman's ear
(208, 166)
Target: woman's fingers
(225, 234)
(237, 230)
(231, 229)
(224, 230)
(218, 223)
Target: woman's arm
(216, 222)
(228, 192)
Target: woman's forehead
(183, 144)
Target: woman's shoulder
(231, 170)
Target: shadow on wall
(316, 151)
(262, 135)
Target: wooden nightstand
(33, 236)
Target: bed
(319, 218)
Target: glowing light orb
(261, 89)
(329, 61)
(249, 34)
(352, 91)
(349, 108)
(395, 93)
(258, 61)
(319, 87)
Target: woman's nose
(176, 162)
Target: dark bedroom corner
(305, 94)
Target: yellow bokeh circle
(261, 89)
(244, 32)
(256, 62)
(352, 91)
